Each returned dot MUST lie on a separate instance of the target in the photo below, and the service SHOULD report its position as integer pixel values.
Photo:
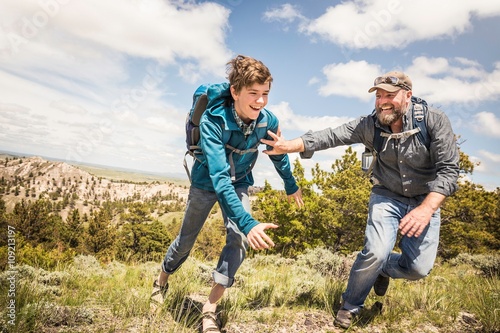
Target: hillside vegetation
(80, 251)
(70, 187)
(272, 294)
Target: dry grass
(272, 294)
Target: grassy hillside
(136, 177)
(108, 172)
(272, 294)
(83, 187)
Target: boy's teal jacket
(211, 171)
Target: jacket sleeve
(219, 171)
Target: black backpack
(419, 112)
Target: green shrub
(487, 264)
(326, 262)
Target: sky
(110, 82)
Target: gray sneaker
(344, 318)
(157, 296)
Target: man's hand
(414, 223)
(258, 239)
(297, 197)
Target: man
(235, 116)
(410, 182)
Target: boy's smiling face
(250, 101)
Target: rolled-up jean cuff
(351, 308)
(223, 280)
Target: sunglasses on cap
(391, 80)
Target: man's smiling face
(391, 106)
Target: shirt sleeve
(359, 130)
(444, 154)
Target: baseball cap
(392, 81)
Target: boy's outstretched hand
(257, 238)
(275, 143)
(281, 146)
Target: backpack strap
(241, 152)
(419, 111)
(231, 161)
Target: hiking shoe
(158, 295)
(344, 318)
(210, 319)
(381, 284)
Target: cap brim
(386, 87)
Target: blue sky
(110, 82)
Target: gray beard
(389, 119)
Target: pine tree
(470, 217)
(335, 209)
(74, 229)
(100, 236)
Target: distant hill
(32, 178)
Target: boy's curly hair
(244, 71)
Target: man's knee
(418, 272)
(373, 256)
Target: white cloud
(285, 13)
(454, 80)
(91, 39)
(487, 172)
(89, 78)
(344, 79)
(59, 124)
(264, 169)
(397, 23)
(291, 121)
(68, 107)
(441, 81)
(487, 124)
(489, 156)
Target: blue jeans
(199, 205)
(414, 262)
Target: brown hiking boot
(344, 318)
(381, 284)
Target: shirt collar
(246, 129)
